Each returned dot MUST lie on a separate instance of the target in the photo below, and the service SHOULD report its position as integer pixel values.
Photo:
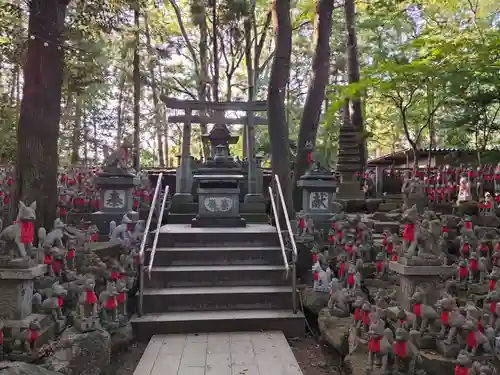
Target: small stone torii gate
(214, 113)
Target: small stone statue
(411, 232)
(339, 301)
(54, 305)
(380, 265)
(493, 279)
(109, 307)
(360, 317)
(424, 314)
(18, 237)
(474, 338)
(379, 344)
(55, 237)
(464, 190)
(121, 299)
(451, 320)
(123, 232)
(87, 308)
(26, 339)
(321, 278)
(491, 301)
(352, 281)
(117, 161)
(406, 354)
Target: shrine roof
(402, 155)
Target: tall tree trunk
(85, 139)
(356, 108)
(119, 109)
(203, 80)
(96, 144)
(77, 131)
(137, 91)
(215, 22)
(316, 93)
(158, 125)
(248, 130)
(38, 129)
(280, 71)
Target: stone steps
(217, 280)
(217, 298)
(182, 276)
(214, 256)
(292, 325)
(182, 235)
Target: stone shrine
(116, 182)
(219, 184)
(185, 198)
(319, 187)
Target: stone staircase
(217, 280)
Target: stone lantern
(319, 187)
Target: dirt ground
(314, 358)
(124, 363)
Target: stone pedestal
(17, 291)
(319, 188)
(426, 277)
(16, 312)
(218, 201)
(115, 200)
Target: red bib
(374, 345)
(417, 309)
(400, 349)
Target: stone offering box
(218, 201)
(115, 199)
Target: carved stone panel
(114, 199)
(218, 204)
(319, 201)
(16, 299)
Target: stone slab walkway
(237, 353)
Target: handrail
(278, 228)
(143, 243)
(287, 219)
(290, 235)
(157, 234)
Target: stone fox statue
(119, 157)
(21, 232)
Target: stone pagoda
(349, 162)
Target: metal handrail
(278, 228)
(287, 219)
(290, 235)
(157, 234)
(143, 243)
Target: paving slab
(234, 353)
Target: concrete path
(239, 353)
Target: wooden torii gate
(214, 113)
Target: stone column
(426, 277)
(184, 176)
(253, 195)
